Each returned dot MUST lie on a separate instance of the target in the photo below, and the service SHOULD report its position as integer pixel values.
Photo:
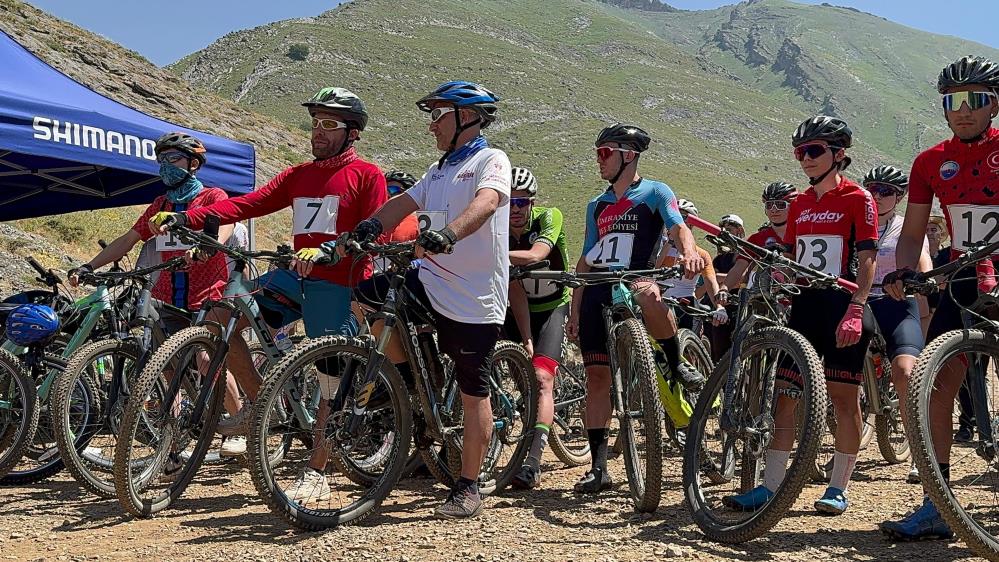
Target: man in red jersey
(328, 196)
(831, 227)
(963, 173)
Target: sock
(406, 373)
(598, 447)
(945, 471)
(472, 485)
(775, 469)
(538, 445)
(843, 464)
(671, 351)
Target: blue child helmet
(32, 323)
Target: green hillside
(720, 91)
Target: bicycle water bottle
(986, 275)
(283, 342)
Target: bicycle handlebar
(519, 271)
(114, 277)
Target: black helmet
(341, 100)
(833, 130)
(523, 180)
(628, 136)
(402, 178)
(969, 70)
(183, 142)
(779, 190)
(889, 175)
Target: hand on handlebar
(73, 275)
(692, 264)
(163, 221)
(436, 242)
(306, 258)
(719, 316)
(894, 283)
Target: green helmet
(341, 100)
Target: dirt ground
(220, 518)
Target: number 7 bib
(314, 215)
(613, 250)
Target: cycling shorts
(947, 316)
(816, 314)
(592, 336)
(323, 306)
(899, 324)
(547, 331)
(470, 346)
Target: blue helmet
(32, 323)
(463, 94)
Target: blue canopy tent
(64, 147)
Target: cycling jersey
(327, 197)
(765, 237)
(826, 233)
(188, 288)
(627, 233)
(887, 241)
(963, 177)
(545, 227)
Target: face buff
(183, 185)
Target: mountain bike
(968, 502)
(634, 386)
(176, 401)
(753, 397)
(373, 409)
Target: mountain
(125, 76)
(720, 91)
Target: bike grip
(212, 226)
(37, 266)
(848, 285)
(699, 223)
(102, 243)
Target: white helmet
(731, 219)
(523, 180)
(686, 207)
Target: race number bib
(431, 220)
(314, 215)
(972, 224)
(611, 251)
(540, 288)
(824, 253)
(170, 243)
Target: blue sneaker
(750, 501)
(923, 524)
(834, 502)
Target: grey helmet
(341, 100)
(779, 190)
(889, 175)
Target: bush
(298, 51)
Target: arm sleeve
(591, 236)
(667, 206)
(551, 226)
(494, 173)
(920, 191)
(268, 199)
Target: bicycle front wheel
(969, 502)
(760, 414)
(18, 410)
(641, 420)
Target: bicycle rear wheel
(888, 427)
(568, 438)
(514, 400)
(969, 503)
(333, 499)
(18, 410)
(746, 431)
(161, 444)
(642, 419)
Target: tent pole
(251, 232)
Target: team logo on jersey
(532, 238)
(949, 169)
(466, 175)
(993, 162)
(819, 217)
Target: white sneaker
(308, 487)
(913, 477)
(233, 447)
(238, 424)
(171, 469)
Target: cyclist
(831, 227)
(397, 182)
(687, 288)
(463, 278)
(960, 173)
(536, 234)
(898, 321)
(624, 227)
(328, 196)
(180, 156)
(724, 261)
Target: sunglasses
(327, 124)
(604, 152)
(394, 189)
(812, 151)
(170, 157)
(438, 112)
(778, 205)
(520, 201)
(883, 190)
(975, 100)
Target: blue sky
(164, 32)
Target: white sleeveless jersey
(887, 241)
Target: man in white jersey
(463, 279)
